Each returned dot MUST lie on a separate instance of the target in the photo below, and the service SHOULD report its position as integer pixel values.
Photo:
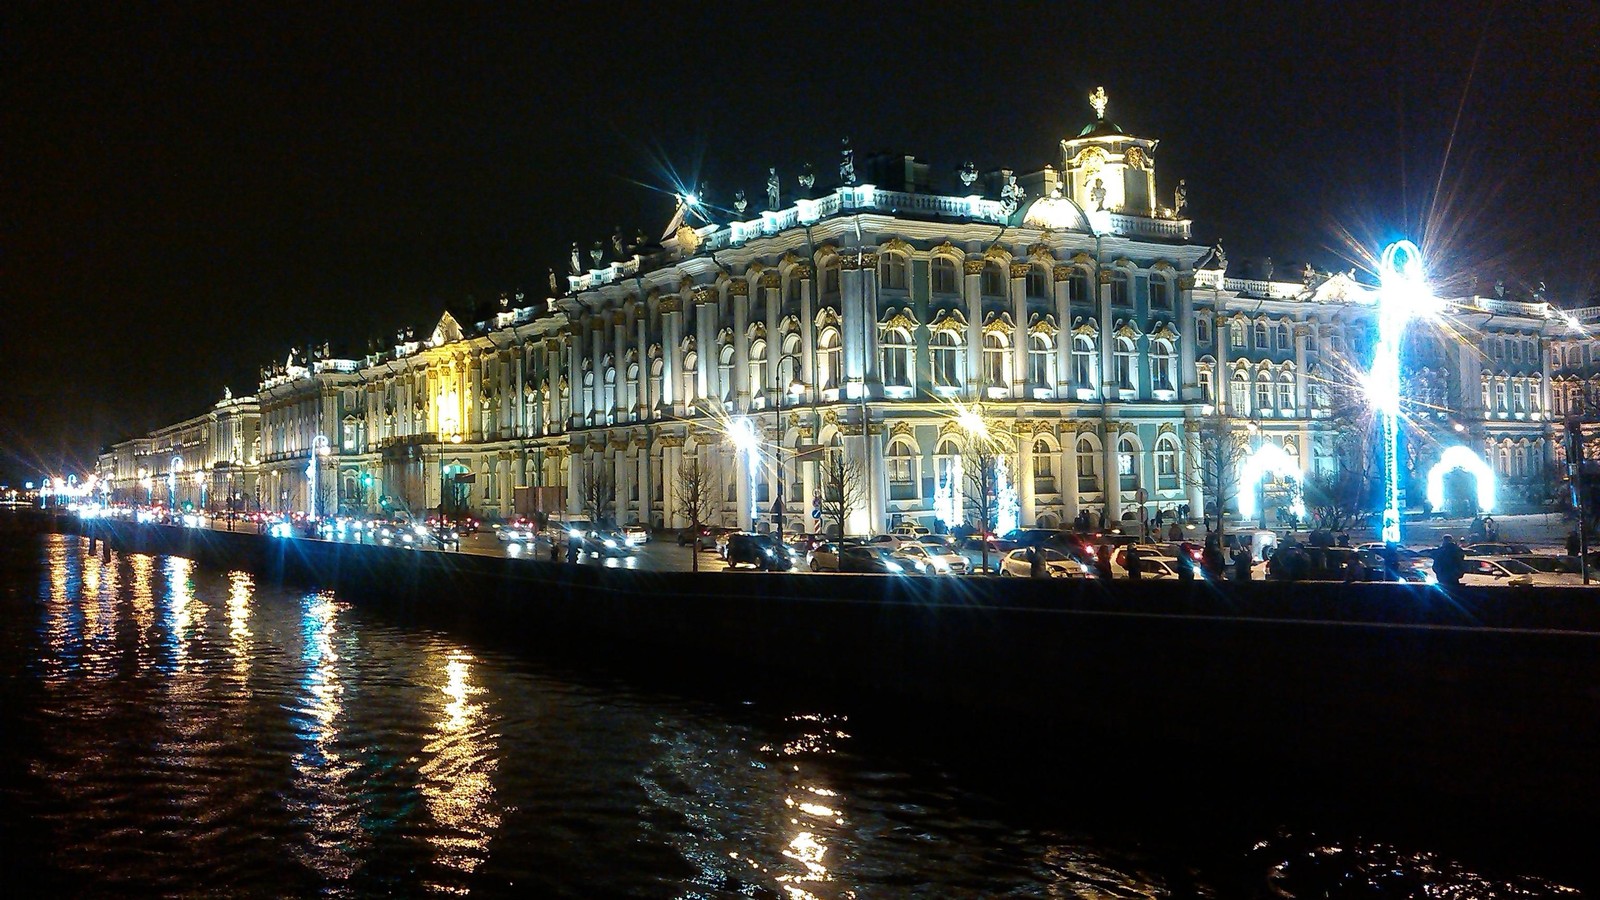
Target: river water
(174, 730)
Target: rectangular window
(1263, 396)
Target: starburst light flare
(1404, 295)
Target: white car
(890, 541)
(1017, 565)
(515, 534)
(1119, 557)
(910, 532)
(1483, 571)
(931, 559)
(636, 534)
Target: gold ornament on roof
(1098, 101)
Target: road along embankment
(1490, 697)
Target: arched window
(1044, 471)
(1261, 335)
(758, 369)
(946, 352)
(725, 372)
(996, 360)
(1083, 362)
(1285, 342)
(1202, 329)
(1263, 391)
(1239, 394)
(1163, 359)
(994, 280)
(830, 359)
(1208, 387)
(691, 376)
(1124, 352)
(1121, 288)
(1519, 460)
(892, 271)
(630, 389)
(657, 367)
(1285, 394)
(789, 364)
(1502, 465)
(1160, 292)
(1127, 464)
(1041, 360)
(1038, 283)
(1535, 394)
(944, 276)
(1167, 463)
(1500, 395)
(902, 462)
(1088, 467)
(895, 347)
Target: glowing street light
(319, 449)
(742, 433)
(1403, 296)
(173, 468)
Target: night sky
(190, 191)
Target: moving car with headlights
(867, 559)
(931, 559)
(636, 534)
(606, 542)
(515, 533)
(758, 551)
(1016, 564)
(823, 558)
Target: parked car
(1497, 548)
(1158, 567)
(636, 534)
(890, 541)
(864, 558)
(910, 531)
(759, 551)
(932, 559)
(1552, 564)
(1119, 557)
(1016, 564)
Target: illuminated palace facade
(1068, 305)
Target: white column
(1025, 495)
(671, 463)
(1070, 502)
(808, 333)
(671, 350)
(852, 325)
(1063, 383)
(1112, 482)
(740, 389)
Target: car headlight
(611, 543)
(893, 567)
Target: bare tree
(1337, 499)
(697, 496)
(596, 489)
(980, 472)
(1216, 453)
(843, 489)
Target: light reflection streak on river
(458, 767)
(320, 802)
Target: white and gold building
(1069, 304)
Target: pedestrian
(1036, 566)
(554, 551)
(1185, 561)
(1160, 517)
(1391, 561)
(572, 548)
(1448, 562)
(1212, 560)
(1174, 533)
(1102, 561)
(1134, 562)
(1573, 543)
(1241, 563)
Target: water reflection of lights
(180, 603)
(457, 772)
(240, 589)
(333, 824)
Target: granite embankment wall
(1488, 696)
